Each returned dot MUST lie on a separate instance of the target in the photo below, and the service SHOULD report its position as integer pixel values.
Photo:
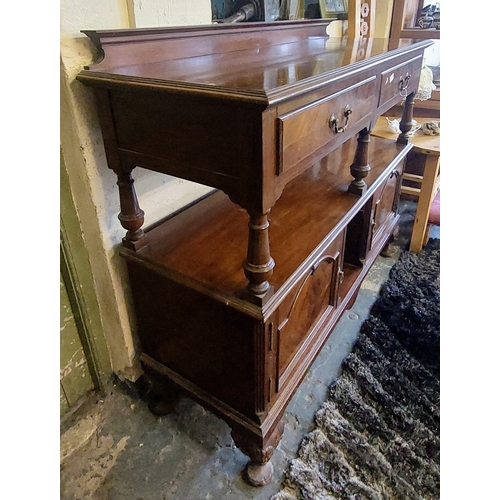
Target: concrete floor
(113, 448)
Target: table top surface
(257, 58)
(426, 144)
(260, 67)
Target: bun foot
(161, 395)
(389, 250)
(259, 475)
(161, 407)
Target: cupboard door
(384, 206)
(303, 311)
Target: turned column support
(360, 166)
(259, 265)
(405, 125)
(131, 216)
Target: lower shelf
(206, 244)
(243, 361)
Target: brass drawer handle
(333, 122)
(341, 276)
(403, 85)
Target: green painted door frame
(77, 280)
(75, 378)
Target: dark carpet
(377, 434)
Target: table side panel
(209, 142)
(208, 343)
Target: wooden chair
(425, 194)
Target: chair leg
(431, 170)
(427, 233)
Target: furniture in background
(404, 29)
(434, 215)
(235, 295)
(404, 25)
(423, 184)
(361, 18)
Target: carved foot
(160, 406)
(259, 475)
(160, 395)
(389, 250)
(259, 470)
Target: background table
(429, 147)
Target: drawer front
(311, 297)
(302, 132)
(385, 202)
(398, 80)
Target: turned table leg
(405, 125)
(360, 166)
(131, 216)
(259, 264)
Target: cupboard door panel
(312, 296)
(385, 204)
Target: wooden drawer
(304, 131)
(301, 313)
(396, 79)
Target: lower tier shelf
(206, 244)
(240, 360)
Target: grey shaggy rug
(377, 434)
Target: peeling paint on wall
(74, 373)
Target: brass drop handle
(333, 122)
(403, 85)
(341, 276)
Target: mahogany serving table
(236, 294)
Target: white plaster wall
(383, 16)
(169, 13)
(93, 185)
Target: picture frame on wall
(296, 9)
(335, 9)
